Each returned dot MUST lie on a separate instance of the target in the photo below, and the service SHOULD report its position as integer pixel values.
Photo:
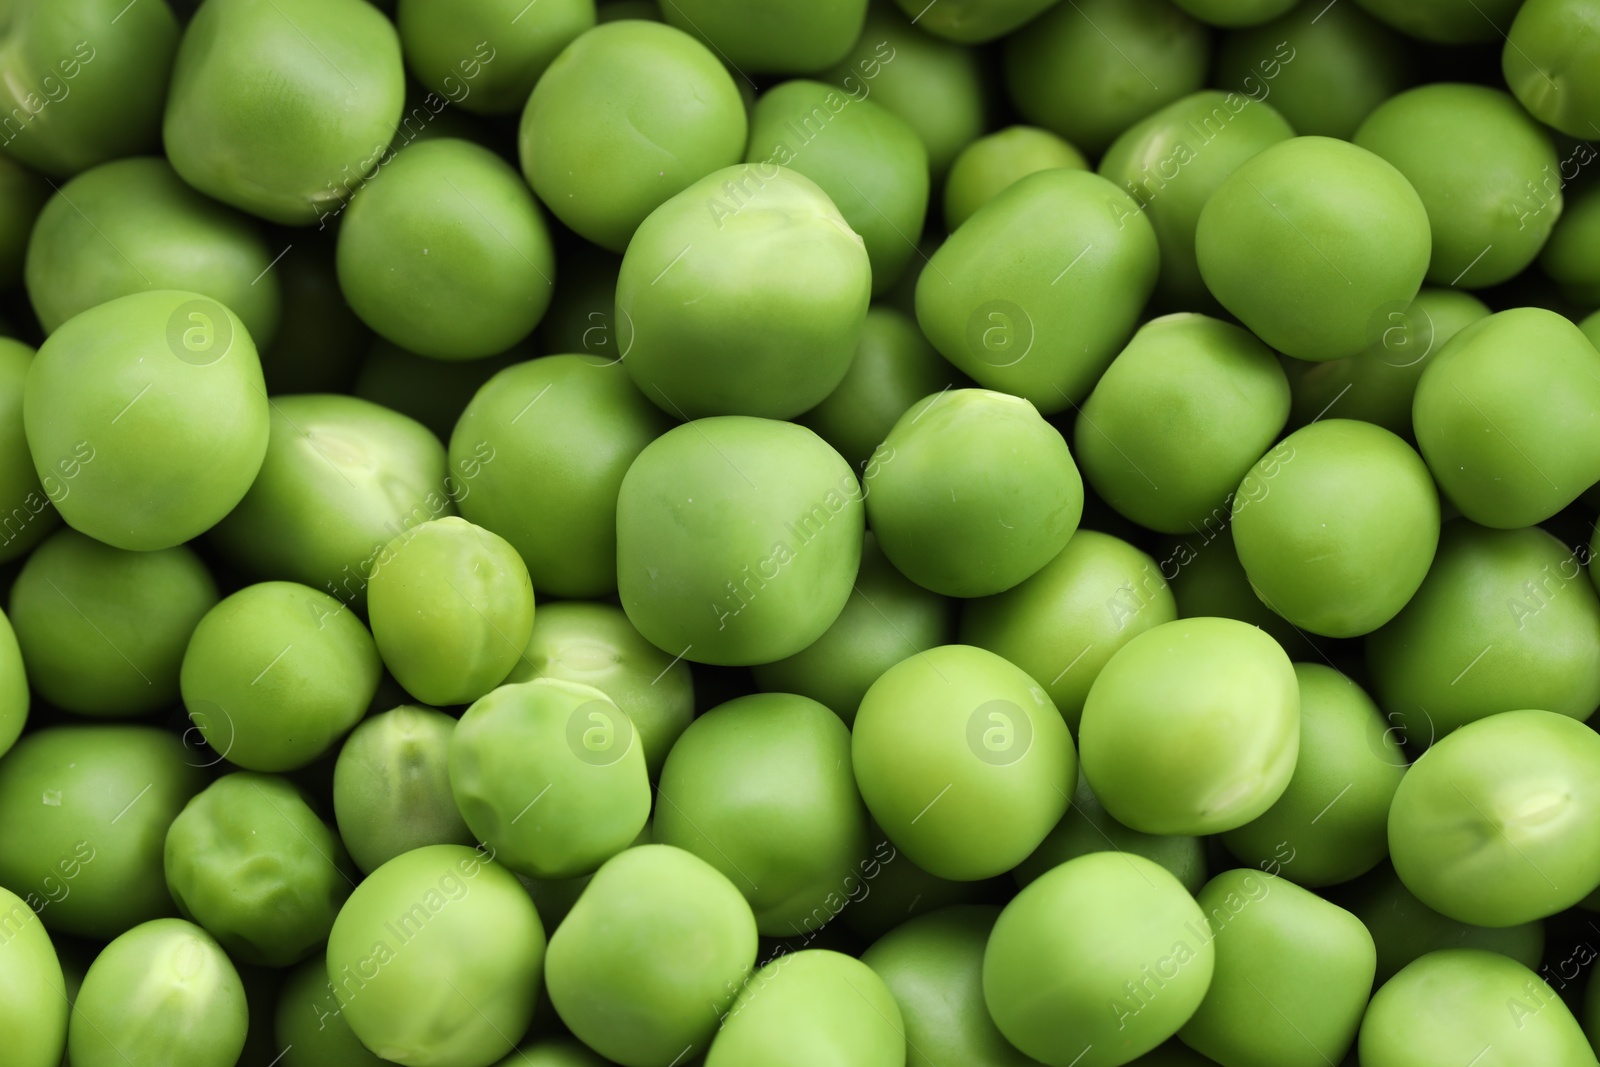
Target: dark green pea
(435, 392)
(1551, 61)
(33, 996)
(22, 195)
(1569, 257)
(554, 1052)
(250, 861)
(163, 993)
(13, 687)
(1089, 70)
(1233, 13)
(895, 890)
(26, 511)
(812, 1006)
(1207, 579)
(778, 37)
(320, 341)
(486, 55)
(582, 315)
(996, 161)
(309, 1025)
(1446, 21)
(85, 811)
(1590, 326)
(103, 631)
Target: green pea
(33, 996)
(779, 37)
(391, 786)
(961, 721)
(867, 159)
(546, 477)
(1452, 1005)
(153, 406)
(897, 891)
(1500, 413)
(1173, 1054)
(309, 1026)
(1404, 928)
(994, 162)
(1504, 620)
(1153, 958)
(341, 479)
(1446, 21)
(1377, 385)
(1311, 266)
(755, 248)
(1551, 61)
(1171, 162)
(1590, 325)
(1292, 975)
(250, 861)
(812, 1006)
(553, 1053)
(451, 607)
(435, 392)
(248, 120)
(486, 55)
(1089, 70)
(1324, 67)
(448, 255)
(86, 809)
(436, 958)
(22, 196)
(1233, 13)
(651, 956)
(937, 86)
(276, 674)
(1569, 257)
(601, 178)
(582, 315)
(103, 631)
(132, 225)
(1041, 287)
(164, 993)
(77, 92)
(737, 540)
(1192, 727)
(320, 341)
(27, 513)
(1207, 579)
(13, 687)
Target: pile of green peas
(762, 533)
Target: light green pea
(810, 1006)
(33, 995)
(994, 162)
(1551, 61)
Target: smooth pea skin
(1222, 399)
(248, 120)
(779, 37)
(103, 631)
(747, 251)
(1235, 12)
(309, 1026)
(1337, 526)
(1080, 70)
(961, 721)
(1041, 287)
(551, 775)
(933, 965)
(651, 956)
(1497, 823)
(1309, 242)
(1504, 417)
(341, 478)
(86, 809)
(867, 159)
(1452, 1005)
(153, 404)
(1063, 624)
(486, 55)
(27, 514)
(1192, 727)
(996, 161)
(1292, 975)
(165, 236)
(1505, 620)
(33, 997)
(760, 788)
(1470, 151)
(973, 492)
(451, 607)
(1333, 816)
(738, 540)
(391, 786)
(887, 618)
(448, 255)
(974, 21)
(1446, 21)
(164, 994)
(1173, 160)
(1569, 257)
(601, 177)
(1141, 928)
(249, 860)
(13, 687)
(1551, 61)
(562, 432)
(436, 958)
(276, 673)
(810, 1007)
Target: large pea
(1551, 61)
(811, 1006)
(33, 996)
(27, 511)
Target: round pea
(436, 958)
(154, 408)
(1569, 256)
(309, 1025)
(33, 996)
(738, 540)
(947, 738)
(27, 511)
(1143, 931)
(162, 993)
(1551, 61)
(1446, 21)
(553, 1053)
(1235, 12)
(1192, 727)
(752, 250)
(602, 177)
(486, 55)
(102, 630)
(778, 37)
(995, 161)
(276, 674)
(810, 1006)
